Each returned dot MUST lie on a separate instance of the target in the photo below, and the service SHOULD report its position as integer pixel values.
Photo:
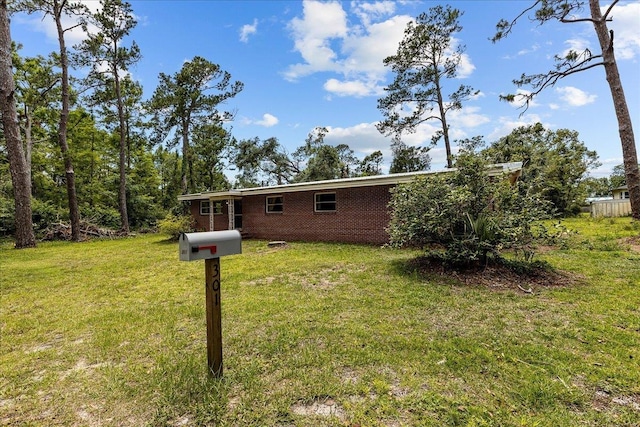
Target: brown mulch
(498, 276)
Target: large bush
(464, 216)
(174, 225)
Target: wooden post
(214, 316)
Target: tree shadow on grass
(500, 274)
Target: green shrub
(465, 217)
(7, 216)
(45, 213)
(103, 216)
(173, 225)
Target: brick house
(351, 210)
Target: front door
(237, 214)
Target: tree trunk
(24, 237)
(625, 128)
(74, 216)
(28, 144)
(122, 192)
(186, 158)
(445, 127)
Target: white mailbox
(209, 244)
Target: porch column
(232, 214)
(211, 209)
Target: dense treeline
(96, 150)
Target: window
(325, 202)
(275, 204)
(205, 207)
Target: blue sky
(308, 63)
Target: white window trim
(209, 207)
(205, 204)
(315, 202)
(267, 204)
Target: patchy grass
(112, 332)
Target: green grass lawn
(112, 333)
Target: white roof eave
(365, 181)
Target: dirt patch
(321, 407)
(498, 276)
(633, 243)
(603, 401)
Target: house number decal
(215, 285)
(215, 282)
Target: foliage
(467, 216)
(323, 161)
(210, 143)
(188, 99)
(59, 12)
(409, 159)
(174, 225)
(555, 163)
(263, 163)
(167, 165)
(46, 213)
(101, 215)
(104, 49)
(266, 162)
(370, 165)
(572, 62)
(425, 59)
(7, 216)
(15, 153)
(617, 177)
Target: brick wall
(361, 216)
(220, 221)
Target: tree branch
(606, 14)
(71, 28)
(572, 21)
(509, 26)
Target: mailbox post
(210, 246)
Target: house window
(625, 194)
(275, 204)
(325, 202)
(205, 207)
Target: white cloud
(625, 28)
(357, 88)
(267, 121)
(247, 30)
(321, 22)
(467, 118)
(368, 12)
(575, 97)
(575, 45)
(532, 49)
(606, 167)
(506, 125)
(329, 42)
(465, 67)
(45, 24)
(363, 139)
(365, 51)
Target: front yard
(112, 333)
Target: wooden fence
(611, 208)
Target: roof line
(362, 181)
